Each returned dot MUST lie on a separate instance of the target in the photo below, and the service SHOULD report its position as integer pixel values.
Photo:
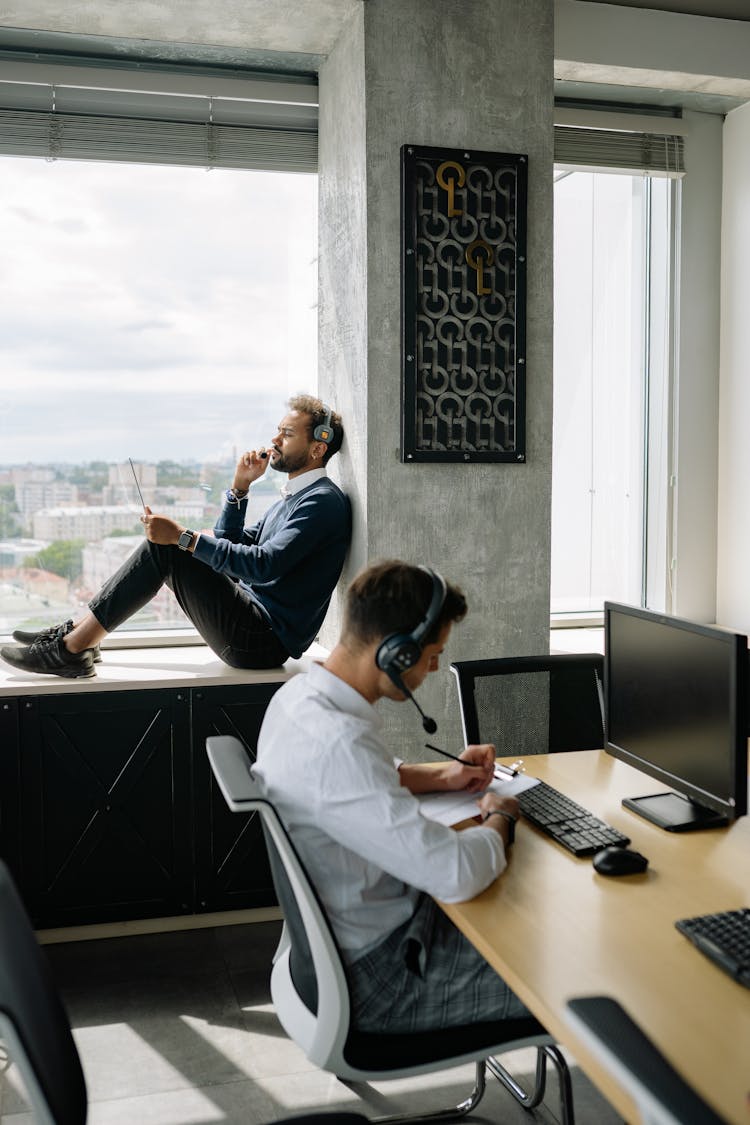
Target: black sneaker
(26, 638)
(49, 656)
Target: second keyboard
(567, 822)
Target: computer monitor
(676, 709)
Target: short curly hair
(318, 413)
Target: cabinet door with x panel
(106, 810)
(231, 862)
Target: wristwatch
(510, 819)
(186, 538)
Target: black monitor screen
(676, 705)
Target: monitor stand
(675, 812)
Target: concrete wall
(473, 75)
(275, 25)
(733, 602)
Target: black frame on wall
(463, 305)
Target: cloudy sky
(151, 312)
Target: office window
(611, 389)
(157, 313)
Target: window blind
(271, 126)
(656, 153)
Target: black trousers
(222, 611)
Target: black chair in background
(616, 1041)
(33, 1023)
(532, 704)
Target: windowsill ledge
(577, 639)
(580, 620)
(137, 669)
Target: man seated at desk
(376, 862)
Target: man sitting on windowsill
(256, 595)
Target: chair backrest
(532, 704)
(612, 1037)
(317, 1015)
(308, 981)
(33, 1021)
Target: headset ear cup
(324, 431)
(401, 651)
(397, 653)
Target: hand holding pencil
(500, 772)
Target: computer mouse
(619, 861)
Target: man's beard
(284, 464)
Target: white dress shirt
(296, 484)
(366, 846)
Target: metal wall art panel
(463, 305)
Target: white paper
(452, 808)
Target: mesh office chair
(311, 996)
(616, 1041)
(33, 1022)
(532, 704)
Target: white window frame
(598, 140)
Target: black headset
(324, 430)
(401, 651)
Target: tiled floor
(178, 1029)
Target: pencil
(507, 771)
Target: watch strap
(511, 822)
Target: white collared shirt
(296, 484)
(366, 846)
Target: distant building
(20, 475)
(121, 488)
(145, 472)
(84, 523)
(33, 495)
(14, 552)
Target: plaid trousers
(425, 976)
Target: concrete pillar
(476, 74)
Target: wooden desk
(554, 929)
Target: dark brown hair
(393, 597)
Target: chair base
(450, 1114)
(525, 1099)
(530, 1101)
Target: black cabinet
(10, 760)
(109, 811)
(231, 863)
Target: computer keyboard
(725, 938)
(567, 822)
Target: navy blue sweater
(289, 561)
